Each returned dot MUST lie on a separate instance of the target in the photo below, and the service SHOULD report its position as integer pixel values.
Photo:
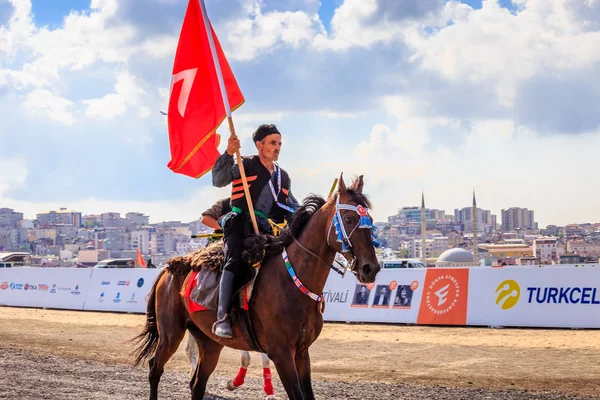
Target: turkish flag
(196, 106)
(140, 259)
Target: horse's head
(351, 230)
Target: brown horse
(286, 320)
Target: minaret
(475, 229)
(423, 230)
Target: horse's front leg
(267, 378)
(286, 368)
(303, 368)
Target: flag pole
(335, 181)
(213, 50)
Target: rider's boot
(222, 327)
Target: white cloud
(259, 33)
(493, 46)
(334, 114)
(507, 164)
(349, 28)
(246, 123)
(45, 103)
(454, 96)
(17, 176)
(161, 46)
(108, 107)
(127, 93)
(19, 28)
(83, 39)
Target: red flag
(140, 259)
(196, 106)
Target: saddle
(201, 286)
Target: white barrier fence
(124, 290)
(537, 297)
(44, 287)
(77, 289)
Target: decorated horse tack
(364, 222)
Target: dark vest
(258, 176)
(225, 207)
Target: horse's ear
(359, 184)
(341, 185)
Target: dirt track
(48, 354)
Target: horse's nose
(367, 270)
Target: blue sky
(52, 13)
(443, 96)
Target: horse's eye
(348, 220)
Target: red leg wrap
(268, 387)
(239, 379)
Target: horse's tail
(148, 339)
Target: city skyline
(154, 220)
(406, 97)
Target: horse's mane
(310, 205)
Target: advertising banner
(394, 297)
(120, 289)
(561, 297)
(445, 294)
(44, 287)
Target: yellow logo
(508, 293)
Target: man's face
(382, 291)
(270, 147)
(363, 289)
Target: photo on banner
(382, 297)
(361, 296)
(403, 298)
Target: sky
(500, 96)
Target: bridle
(364, 222)
(344, 238)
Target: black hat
(263, 131)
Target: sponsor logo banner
(556, 297)
(122, 290)
(444, 299)
(44, 287)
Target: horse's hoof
(231, 386)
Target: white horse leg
(239, 379)
(267, 378)
(191, 349)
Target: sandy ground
(349, 361)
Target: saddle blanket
(201, 291)
(189, 285)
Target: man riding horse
(270, 192)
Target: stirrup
(222, 328)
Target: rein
(341, 271)
(363, 223)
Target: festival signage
(120, 289)
(561, 297)
(44, 287)
(445, 295)
(515, 296)
(394, 297)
